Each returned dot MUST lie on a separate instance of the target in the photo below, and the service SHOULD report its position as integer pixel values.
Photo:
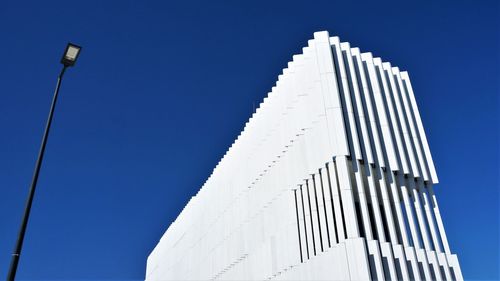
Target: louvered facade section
(331, 179)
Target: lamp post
(69, 58)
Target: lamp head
(70, 54)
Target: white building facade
(331, 179)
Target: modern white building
(331, 179)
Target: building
(331, 179)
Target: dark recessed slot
(317, 214)
(372, 221)
(407, 225)
(324, 209)
(384, 222)
(332, 205)
(311, 217)
(397, 264)
(360, 220)
(415, 218)
(421, 271)
(385, 265)
(443, 275)
(305, 225)
(340, 199)
(298, 225)
(452, 272)
(373, 270)
(433, 273)
(410, 271)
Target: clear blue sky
(162, 89)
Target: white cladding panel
(330, 179)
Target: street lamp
(69, 58)
(70, 54)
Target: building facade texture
(331, 179)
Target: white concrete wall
(331, 179)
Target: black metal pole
(22, 230)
